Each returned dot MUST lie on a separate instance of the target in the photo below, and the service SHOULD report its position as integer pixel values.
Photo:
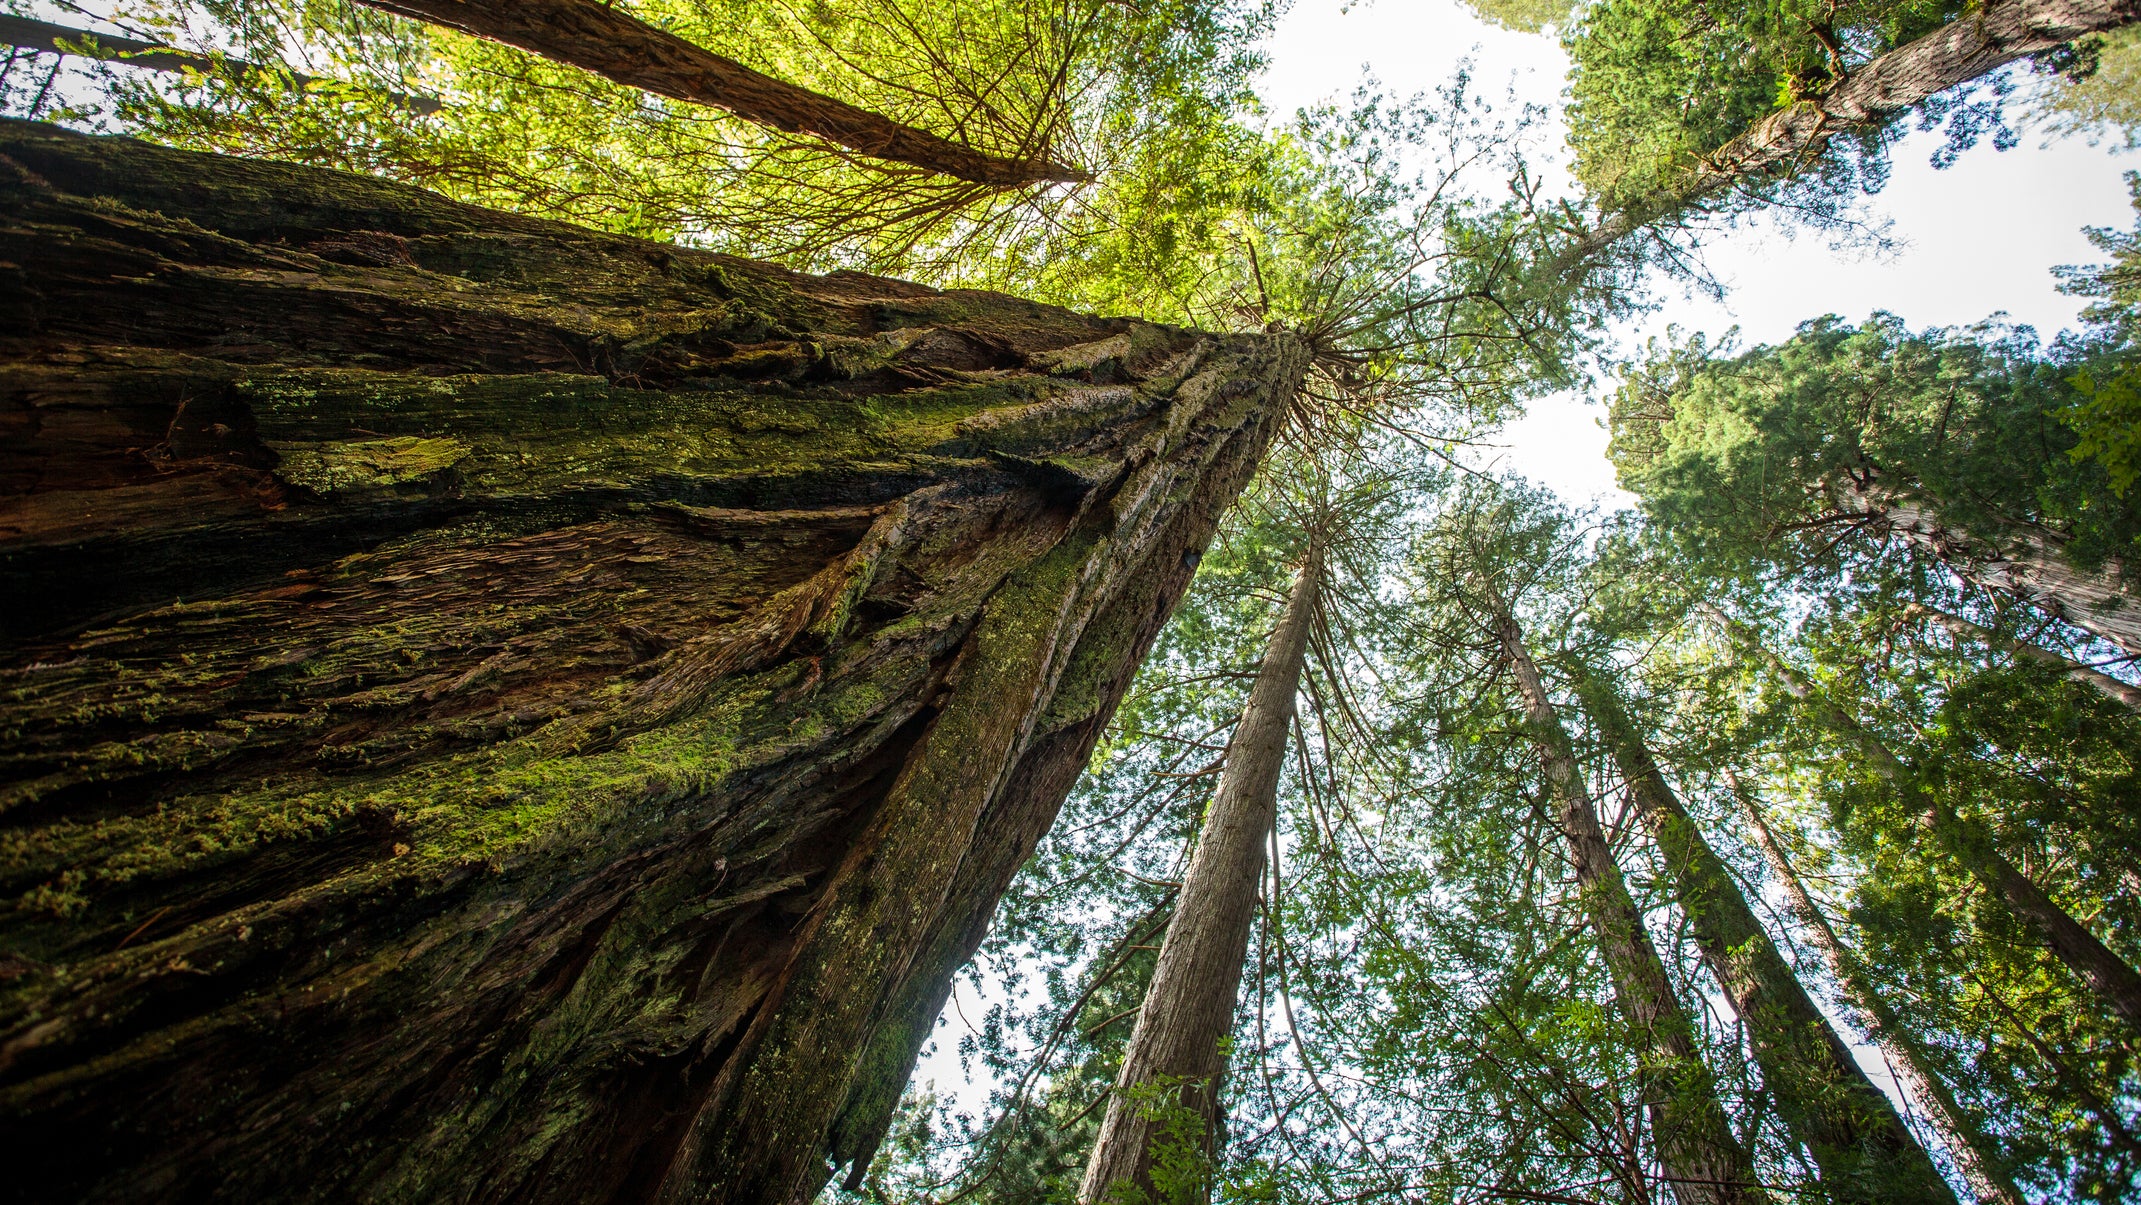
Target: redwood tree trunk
(497, 711)
(612, 43)
(1174, 1056)
(1704, 1164)
(1966, 1143)
(1863, 1150)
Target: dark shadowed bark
(1981, 40)
(2125, 693)
(2111, 977)
(1863, 1150)
(1174, 1060)
(1966, 1143)
(2029, 563)
(501, 712)
(1704, 1163)
(611, 43)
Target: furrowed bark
(1980, 41)
(498, 711)
(2116, 984)
(617, 46)
(2125, 693)
(1973, 1153)
(1863, 1149)
(2030, 563)
(1173, 1060)
(1703, 1162)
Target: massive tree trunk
(2125, 693)
(1980, 41)
(1966, 1143)
(1174, 1059)
(612, 43)
(2030, 563)
(1703, 1162)
(2111, 977)
(496, 711)
(1863, 1150)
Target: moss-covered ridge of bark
(503, 710)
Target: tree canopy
(1777, 838)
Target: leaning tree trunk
(1982, 40)
(1966, 1143)
(612, 43)
(1703, 1162)
(2125, 693)
(2116, 984)
(499, 711)
(2030, 563)
(1174, 1059)
(1863, 1149)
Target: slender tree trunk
(2029, 563)
(1980, 41)
(1974, 1154)
(497, 711)
(31, 34)
(1962, 629)
(2113, 980)
(611, 43)
(1174, 1058)
(1862, 1147)
(1703, 1162)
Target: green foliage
(1747, 459)
(1527, 16)
(1657, 86)
(2106, 410)
(2106, 101)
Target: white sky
(1978, 238)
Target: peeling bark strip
(1189, 1007)
(497, 711)
(617, 46)
(1704, 1163)
(1999, 33)
(1863, 1150)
